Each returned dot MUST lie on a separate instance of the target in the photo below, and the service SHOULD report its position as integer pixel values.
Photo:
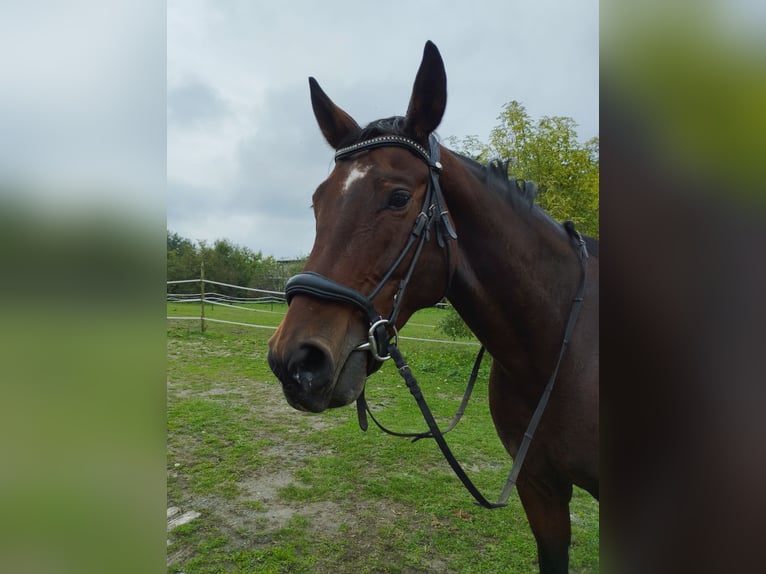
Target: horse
(401, 223)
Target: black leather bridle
(433, 213)
(382, 344)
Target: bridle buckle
(372, 341)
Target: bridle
(433, 213)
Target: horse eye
(398, 199)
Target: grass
(284, 491)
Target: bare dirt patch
(256, 514)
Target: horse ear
(333, 121)
(429, 95)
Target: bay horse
(402, 222)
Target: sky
(244, 153)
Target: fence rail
(230, 301)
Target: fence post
(202, 295)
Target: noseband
(433, 212)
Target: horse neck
(516, 273)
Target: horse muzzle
(306, 376)
(312, 382)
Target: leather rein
(382, 338)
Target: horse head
(380, 224)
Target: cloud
(273, 170)
(78, 108)
(194, 103)
(243, 146)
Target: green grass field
(278, 490)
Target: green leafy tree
(230, 263)
(273, 274)
(225, 262)
(183, 262)
(452, 325)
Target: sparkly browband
(384, 141)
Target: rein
(518, 461)
(433, 212)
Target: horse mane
(520, 193)
(494, 175)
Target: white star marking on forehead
(357, 172)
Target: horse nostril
(309, 367)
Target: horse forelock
(386, 126)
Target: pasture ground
(278, 490)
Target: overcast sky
(244, 151)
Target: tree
(182, 263)
(229, 263)
(225, 262)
